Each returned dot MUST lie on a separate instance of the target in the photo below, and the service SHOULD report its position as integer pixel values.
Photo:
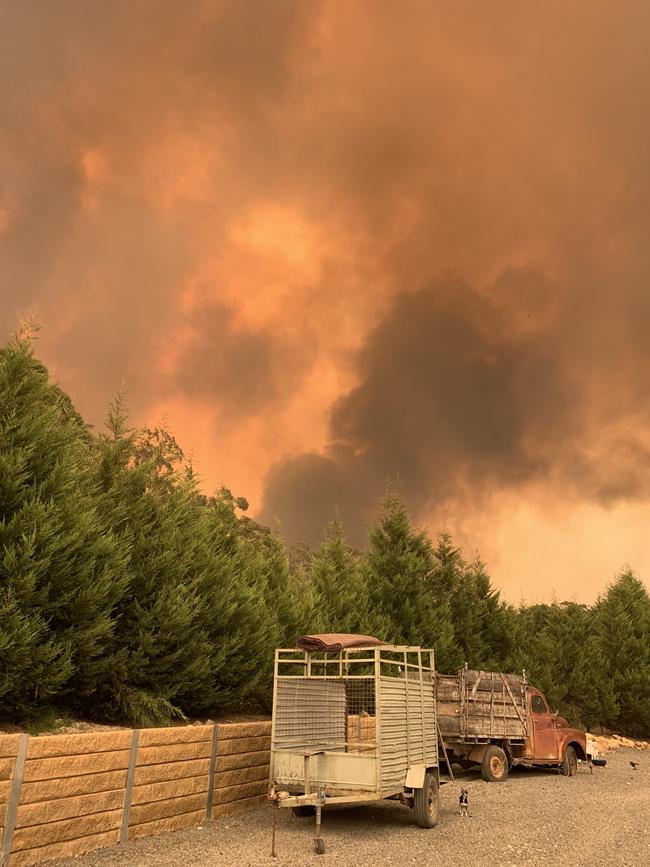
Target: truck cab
(550, 739)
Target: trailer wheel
(494, 767)
(426, 803)
(304, 810)
(569, 765)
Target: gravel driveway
(537, 817)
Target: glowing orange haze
(335, 243)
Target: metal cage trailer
(354, 726)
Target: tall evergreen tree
(397, 566)
(163, 653)
(537, 651)
(339, 585)
(449, 582)
(240, 626)
(289, 594)
(62, 572)
(559, 649)
(497, 620)
(622, 624)
(481, 621)
(590, 701)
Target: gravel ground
(537, 817)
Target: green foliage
(622, 630)
(241, 628)
(127, 594)
(398, 568)
(46, 720)
(340, 590)
(482, 624)
(61, 571)
(195, 624)
(161, 651)
(563, 654)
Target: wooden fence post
(128, 794)
(14, 799)
(213, 765)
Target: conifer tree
(482, 623)
(497, 620)
(163, 653)
(397, 567)
(450, 582)
(538, 650)
(61, 571)
(622, 624)
(591, 701)
(339, 586)
(289, 594)
(558, 648)
(241, 628)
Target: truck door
(545, 737)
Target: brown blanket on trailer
(335, 641)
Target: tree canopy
(128, 594)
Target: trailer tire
(569, 766)
(494, 767)
(304, 811)
(426, 803)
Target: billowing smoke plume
(335, 243)
(463, 392)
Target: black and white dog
(463, 802)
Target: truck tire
(426, 803)
(304, 810)
(569, 765)
(494, 767)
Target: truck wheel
(570, 762)
(494, 767)
(304, 810)
(426, 804)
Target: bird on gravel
(634, 765)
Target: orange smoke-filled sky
(336, 243)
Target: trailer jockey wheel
(494, 767)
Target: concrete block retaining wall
(63, 795)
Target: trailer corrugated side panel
(408, 729)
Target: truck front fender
(581, 752)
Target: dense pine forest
(128, 595)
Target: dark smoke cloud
(533, 153)
(223, 363)
(425, 222)
(105, 107)
(464, 392)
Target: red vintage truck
(499, 720)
